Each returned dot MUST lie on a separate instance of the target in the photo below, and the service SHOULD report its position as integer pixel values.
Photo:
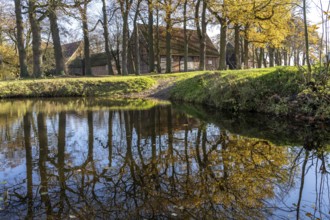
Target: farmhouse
(74, 53)
(74, 60)
(177, 47)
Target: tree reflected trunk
(129, 154)
(302, 183)
(110, 143)
(61, 159)
(29, 164)
(187, 154)
(170, 146)
(90, 136)
(43, 155)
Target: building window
(210, 62)
(190, 64)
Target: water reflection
(92, 162)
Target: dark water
(101, 159)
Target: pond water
(136, 159)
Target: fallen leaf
(308, 214)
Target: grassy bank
(281, 91)
(70, 87)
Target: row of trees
(263, 32)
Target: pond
(140, 159)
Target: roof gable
(70, 48)
(177, 42)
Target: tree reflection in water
(157, 163)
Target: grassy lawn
(281, 91)
(70, 87)
(114, 86)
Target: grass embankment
(280, 91)
(70, 87)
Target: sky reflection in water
(100, 159)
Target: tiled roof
(97, 59)
(177, 42)
(70, 48)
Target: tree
(36, 38)
(82, 6)
(8, 62)
(309, 68)
(264, 24)
(169, 7)
(185, 35)
(151, 35)
(201, 30)
(59, 59)
(125, 7)
(137, 40)
(219, 10)
(106, 37)
(20, 40)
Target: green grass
(115, 86)
(280, 91)
(70, 87)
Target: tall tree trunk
(151, 36)
(203, 42)
(278, 58)
(185, 36)
(36, 39)
(20, 40)
(116, 57)
(304, 59)
(309, 68)
(264, 58)
(83, 13)
(201, 29)
(271, 56)
(223, 46)
(168, 42)
(285, 57)
(246, 53)
(137, 50)
(106, 37)
(254, 53)
(159, 69)
(125, 44)
(59, 59)
(237, 46)
(137, 42)
(260, 57)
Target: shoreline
(275, 91)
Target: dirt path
(159, 91)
